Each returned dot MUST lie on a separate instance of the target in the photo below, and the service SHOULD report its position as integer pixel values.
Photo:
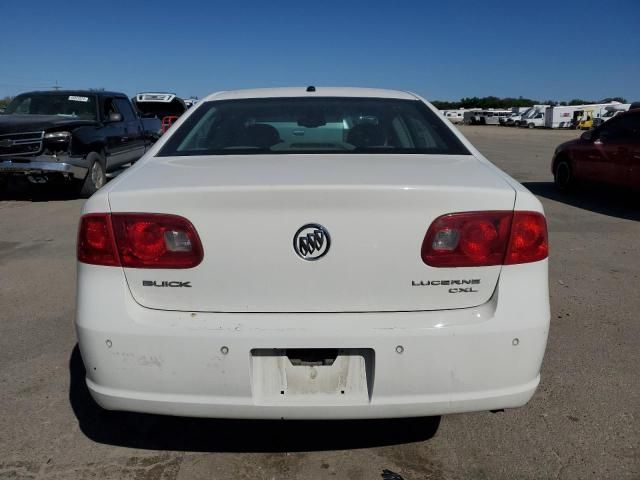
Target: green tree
(485, 102)
(508, 102)
(5, 101)
(579, 101)
(614, 99)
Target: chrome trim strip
(8, 166)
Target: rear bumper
(243, 407)
(481, 358)
(45, 164)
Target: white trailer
(454, 116)
(610, 112)
(571, 116)
(493, 116)
(471, 116)
(560, 116)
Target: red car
(609, 153)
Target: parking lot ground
(583, 422)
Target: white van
(535, 117)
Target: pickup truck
(81, 136)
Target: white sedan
(312, 253)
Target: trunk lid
(150, 106)
(376, 209)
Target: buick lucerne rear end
(326, 253)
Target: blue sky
(443, 50)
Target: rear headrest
(261, 135)
(367, 135)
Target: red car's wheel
(563, 176)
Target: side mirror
(114, 117)
(588, 135)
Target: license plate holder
(312, 376)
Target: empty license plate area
(313, 375)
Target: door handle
(124, 139)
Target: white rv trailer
(569, 116)
(610, 112)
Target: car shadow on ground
(607, 201)
(157, 432)
(20, 189)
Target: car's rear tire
(96, 175)
(563, 176)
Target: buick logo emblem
(311, 241)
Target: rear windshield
(313, 125)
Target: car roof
(77, 92)
(316, 92)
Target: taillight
(469, 239)
(148, 240)
(143, 240)
(95, 240)
(529, 239)
(475, 239)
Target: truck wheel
(563, 176)
(531, 125)
(96, 176)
